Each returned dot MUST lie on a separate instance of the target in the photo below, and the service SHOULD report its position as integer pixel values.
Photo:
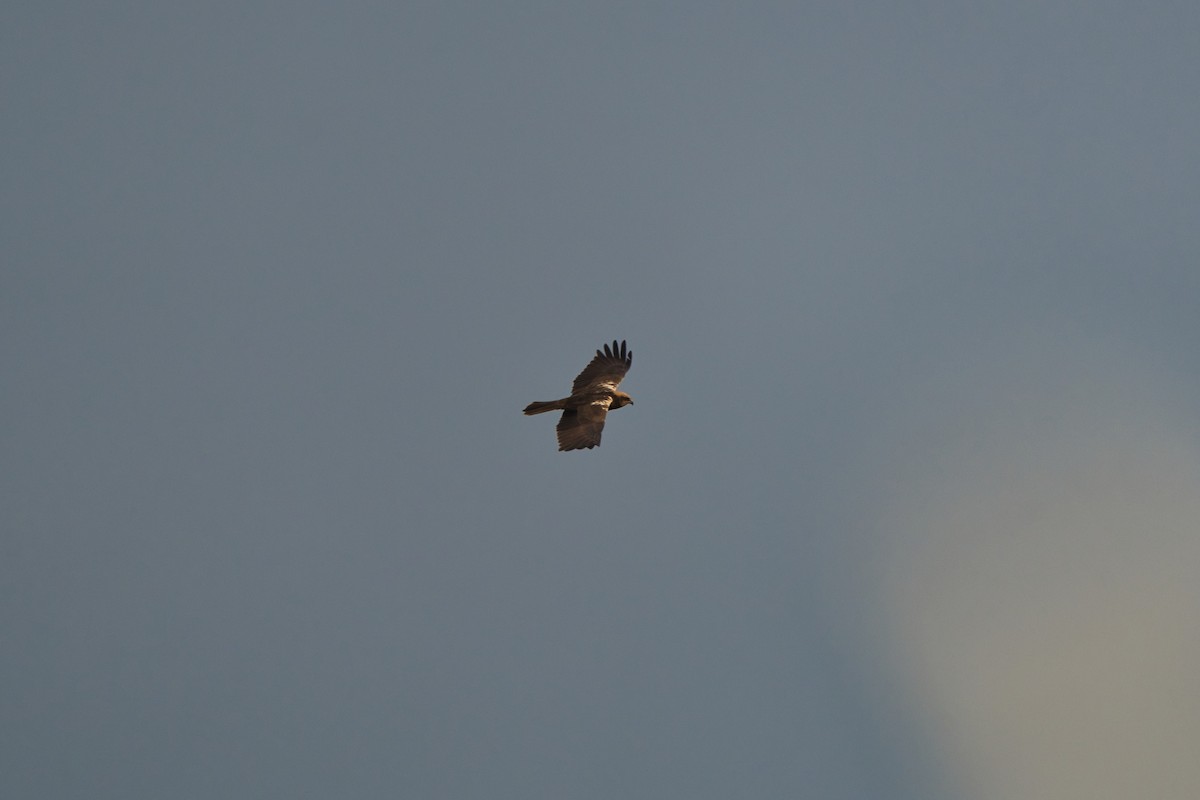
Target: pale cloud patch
(1040, 590)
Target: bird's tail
(541, 408)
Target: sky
(907, 504)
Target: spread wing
(579, 428)
(604, 372)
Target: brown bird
(592, 395)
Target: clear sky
(908, 503)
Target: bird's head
(621, 399)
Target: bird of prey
(592, 395)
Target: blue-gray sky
(906, 507)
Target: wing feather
(580, 428)
(605, 371)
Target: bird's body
(593, 394)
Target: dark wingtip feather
(618, 350)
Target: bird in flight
(592, 395)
